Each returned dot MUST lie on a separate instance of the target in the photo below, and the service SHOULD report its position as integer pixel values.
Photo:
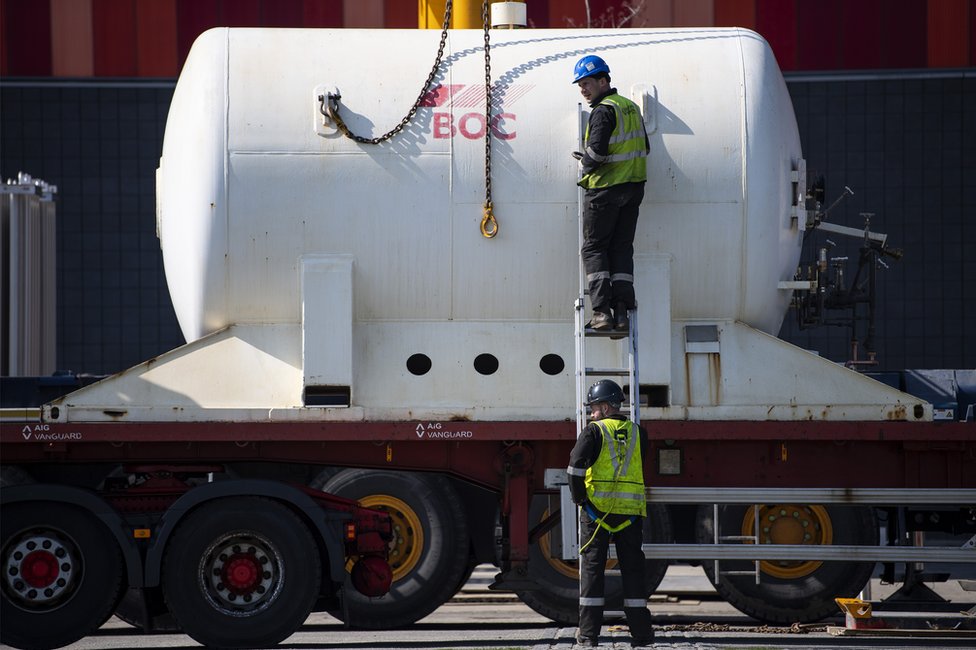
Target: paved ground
(690, 618)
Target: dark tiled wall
(100, 144)
(905, 145)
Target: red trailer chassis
(511, 457)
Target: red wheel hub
(242, 573)
(40, 569)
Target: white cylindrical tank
(250, 180)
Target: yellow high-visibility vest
(626, 159)
(615, 482)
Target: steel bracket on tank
(645, 96)
(324, 125)
(798, 181)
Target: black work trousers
(593, 561)
(609, 223)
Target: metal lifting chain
(329, 107)
(489, 225)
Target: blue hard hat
(589, 66)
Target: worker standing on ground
(614, 162)
(606, 479)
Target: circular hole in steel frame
(419, 364)
(552, 364)
(486, 364)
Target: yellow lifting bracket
(855, 607)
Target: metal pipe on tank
(508, 15)
(466, 14)
(429, 13)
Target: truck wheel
(62, 574)
(791, 591)
(558, 595)
(429, 554)
(241, 572)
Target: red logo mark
(471, 125)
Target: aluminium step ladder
(586, 374)
(583, 372)
(719, 538)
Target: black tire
(792, 592)
(465, 576)
(558, 596)
(428, 562)
(134, 607)
(323, 476)
(13, 475)
(273, 557)
(81, 579)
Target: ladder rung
(738, 573)
(589, 331)
(621, 372)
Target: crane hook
(489, 226)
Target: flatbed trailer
(499, 477)
(690, 454)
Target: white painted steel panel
(191, 186)
(654, 319)
(254, 373)
(327, 315)
(249, 367)
(755, 376)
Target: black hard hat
(605, 391)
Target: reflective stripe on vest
(615, 482)
(625, 160)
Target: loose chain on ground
(796, 628)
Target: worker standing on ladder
(606, 479)
(614, 165)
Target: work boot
(621, 321)
(643, 643)
(600, 321)
(585, 641)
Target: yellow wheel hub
(789, 524)
(407, 544)
(569, 568)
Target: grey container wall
(906, 144)
(100, 143)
